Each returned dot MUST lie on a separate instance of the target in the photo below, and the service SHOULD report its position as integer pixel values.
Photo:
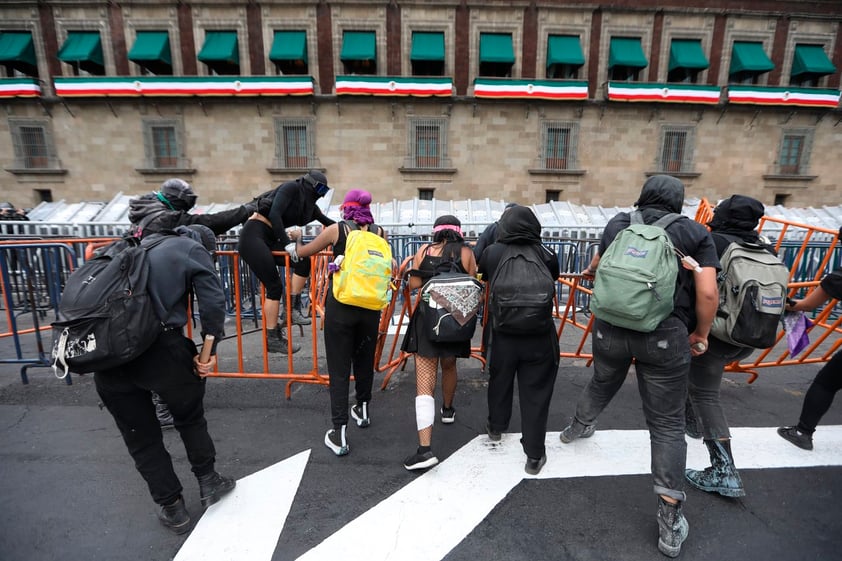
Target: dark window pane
(673, 154)
(34, 147)
(425, 194)
(164, 147)
(427, 146)
(791, 150)
(295, 146)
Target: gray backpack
(634, 284)
(752, 295)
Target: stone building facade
(452, 99)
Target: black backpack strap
(667, 219)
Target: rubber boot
(276, 341)
(722, 476)
(672, 528)
(298, 316)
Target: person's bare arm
(810, 302)
(328, 236)
(707, 300)
(469, 261)
(414, 281)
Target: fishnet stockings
(426, 369)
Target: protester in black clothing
(532, 358)
(165, 210)
(734, 220)
(171, 368)
(661, 358)
(828, 381)
(291, 204)
(350, 331)
(489, 235)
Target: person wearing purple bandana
(350, 331)
(447, 249)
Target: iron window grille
(294, 144)
(794, 155)
(33, 145)
(163, 142)
(428, 144)
(676, 149)
(558, 145)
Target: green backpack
(634, 284)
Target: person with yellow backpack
(359, 288)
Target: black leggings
(821, 393)
(257, 242)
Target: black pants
(533, 359)
(167, 369)
(821, 393)
(350, 341)
(257, 242)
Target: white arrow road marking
(247, 523)
(429, 517)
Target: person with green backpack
(672, 278)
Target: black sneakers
(359, 413)
(492, 434)
(335, 440)
(448, 415)
(800, 439)
(576, 430)
(534, 465)
(213, 487)
(175, 516)
(420, 460)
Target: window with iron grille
(428, 143)
(794, 155)
(33, 145)
(426, 194)
(294, 146)
(559, 142)
(163, 143)
(676, 149)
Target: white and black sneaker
(336, 441)
(448, 415)
(359, 413)
(420, 460)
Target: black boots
(276, 341)
(175, 516)
(298, 316)
(213, 487)
(722, 476)
(672, 528)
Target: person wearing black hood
(172, 368)
(292, 203)
(165, 210)
(661, 357)
(169, 207)
(532, 358)
(734, 220)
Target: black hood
(737, 213)
(663, 192)
(519, 225)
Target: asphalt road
(69, 491)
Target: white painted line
(426, 519)
(247, 523)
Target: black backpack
(522, 292)
(105, 315)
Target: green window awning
(220, 46)
(359, 45)
(687, 53)
(82, 46)
(811, 59)
(749, 57)
(427, 46)
(564, 49)
(289, 45)
(496, 47)
(151, 46)
(626, 51)
(17, 47)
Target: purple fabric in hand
(796, 325)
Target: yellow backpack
(365, 274)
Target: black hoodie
(517, 226)
(735, 219)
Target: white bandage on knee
(425, 411)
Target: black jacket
(293, 204)
(151, 215)
(517, 226)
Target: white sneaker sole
(421, 465)
(338, 450)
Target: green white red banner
(141, 86)
(561, 90)
(803, 97)
(19, 87)
(386, 85)
(664, 93)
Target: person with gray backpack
(750, 270)
(661, 353)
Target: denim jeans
(662, 362)
(705, 380)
